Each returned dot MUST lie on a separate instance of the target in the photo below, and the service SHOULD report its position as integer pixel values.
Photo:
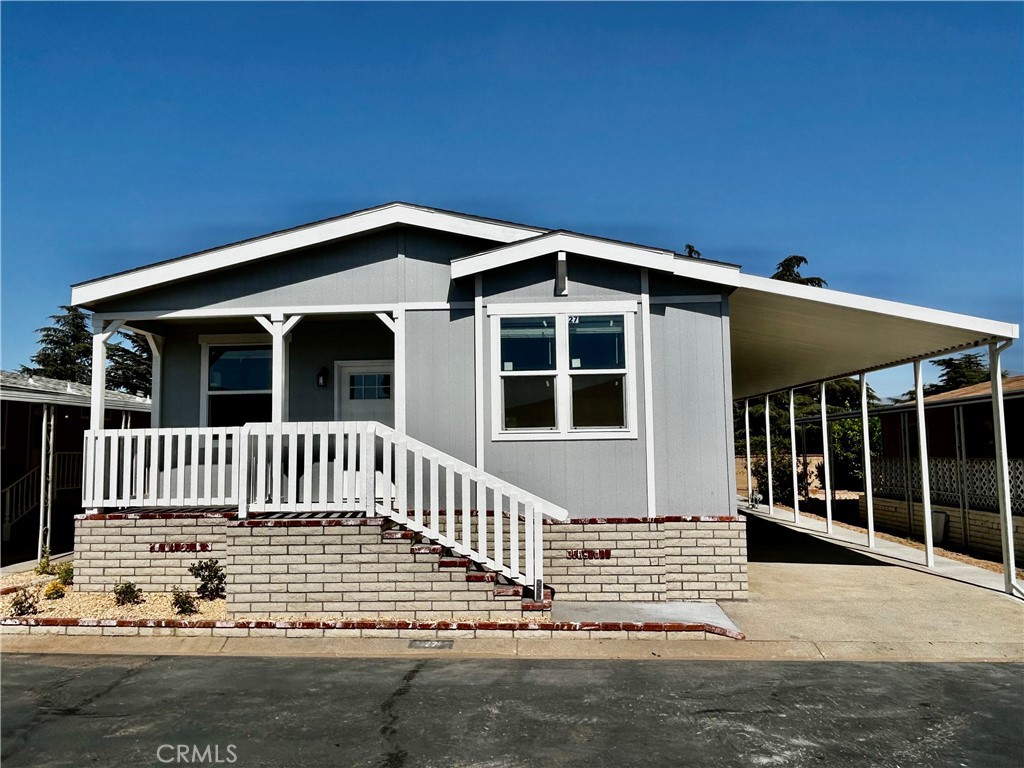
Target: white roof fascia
(984, 327)
(635, 255)
(303, 237)
(71, 398)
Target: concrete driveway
(804, 591)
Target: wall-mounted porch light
(321, 377)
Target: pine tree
(65, 348)
(130, 368)
(788, 270)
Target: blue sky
(882, 141)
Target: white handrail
(20, 498)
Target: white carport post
(926, 488)
(1002, 468)
(792, 451)
(768, 453)
(279, 328)
(868, 493)
(746, 440)
(825, 462)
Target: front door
(363, 391)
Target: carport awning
(786, 335)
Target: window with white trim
(564, 376)
(237, 384)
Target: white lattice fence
(889, 480)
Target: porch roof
(22, 387)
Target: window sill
(548, 436)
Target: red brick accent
(666, 519)
(453, 562)
(397, 534)
(305, 523)
(478, 576)
(157, 515)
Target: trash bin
(939, 522)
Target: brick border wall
(984, 532)
(348, 568)
(384, 628)
(658, 559)
(111, 548)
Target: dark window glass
(528, 344)
(529, 402)
(239, 368)
(597, 342)
(369, 386)
(598, 400)
(236, 410)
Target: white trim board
(250, 313)
(351, 224)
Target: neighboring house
(43, 423)
(962, 467)
(500, 380)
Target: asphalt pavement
(246, 711)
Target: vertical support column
(645, 332)
(792, 458)
(746, 440)
(279, 328)
(866, 432)
(478, 359)
(825, 460)
(400, 369)
(922, 442)
(156, 347)
(43, 465)
(1002, 468)
(768, 453)
(50, 481)
(102, 331)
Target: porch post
(825, 461)
(926, 489)
(101, 334)
(868, 491)
(279, 328)
(768, 453)
(43, 464)
(1002, 468)
(156, 346)
(746, 440)
(792, 450)
(400, 369)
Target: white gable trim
(303, 237)
(554, 242)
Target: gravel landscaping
(101, 605)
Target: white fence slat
(417, 496)
(513, 535)
(401, 477)
(292, 431)
(467, 506)
(481, 516)
(449, 504)
(388, 473)
(323, 465)
(350, 465)
(305, 432)
(195, 437)
(435, 494)
(499, 541)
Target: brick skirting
(658, 559)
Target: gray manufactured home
(551, 410)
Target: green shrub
(24, 603)
(65, 573)
(211, 579)
(184, 604)
(54, 591)
(127, 593)
(45, 567)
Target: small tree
(65, 348)
(131, 366)
(788, 270)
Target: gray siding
(692, 445)
(362, 270)
(440, 389)
(534, 280)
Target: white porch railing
(325, 467)
(173, 467)
(20, 498)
